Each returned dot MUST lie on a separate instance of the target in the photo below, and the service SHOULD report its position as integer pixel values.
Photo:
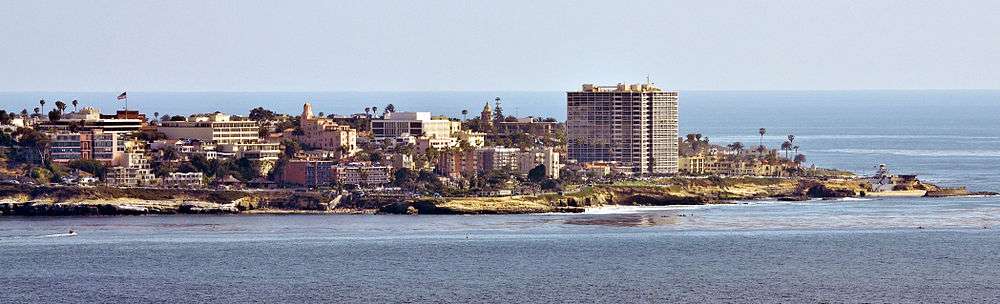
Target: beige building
(323, 133)
(184, 180)
(134, 169)
(216, 128)
(634, 125)
(497, 159)
(362, 174)
(530, 159)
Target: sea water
(854, 250)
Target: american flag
(122, 96)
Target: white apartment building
(530, 159)
(417, 124)
(134, 170)
(184, 180)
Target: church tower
(307, 111)
(486, 116)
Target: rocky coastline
(18, 200)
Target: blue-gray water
(882, 250)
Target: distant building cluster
(620, 131)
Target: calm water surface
(881, 250)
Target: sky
(496, 45)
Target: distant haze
(108, 46)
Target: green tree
(291, 147)
(40, 175)
(61, 106)
(95, 168)
(151, 136)
(404, 178)
(736, 146)
(35, 140)
(54, 115)
(537, 174)
(5, 118)
(799, 159)
(75, 103)
(260, 114)
(245, 170)
(786, 146)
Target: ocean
(853, 250)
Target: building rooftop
(621, 87)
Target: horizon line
(480, 91)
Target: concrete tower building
(633, 125)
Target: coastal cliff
(55, 201)
(667, 191)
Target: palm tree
(75, 103)
(38, 111)
(374, 110)
(736, 146)
(762, 131)
(791, 138)
(24, 113)
(61, 106)
(368, 111)
(786, 146)
(42, 102)
(799, 159)
(464, 115)
(156, 115)
(796, 148)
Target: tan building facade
(634, 125)
(325, 134)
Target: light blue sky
(496, 45)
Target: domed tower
(486, 116)
(307, 111)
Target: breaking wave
(921, 153)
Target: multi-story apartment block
(362, 174)
(497, 158)
(530, 159)
(457, 164)
(134, 169)
(307, 172)
(217, 128)
(633, 125)
(89, 119)
(315, 173)
(106, 147)
(184, 180)
(416, 124)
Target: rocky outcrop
(822, 191)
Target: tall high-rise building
(634, 125)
